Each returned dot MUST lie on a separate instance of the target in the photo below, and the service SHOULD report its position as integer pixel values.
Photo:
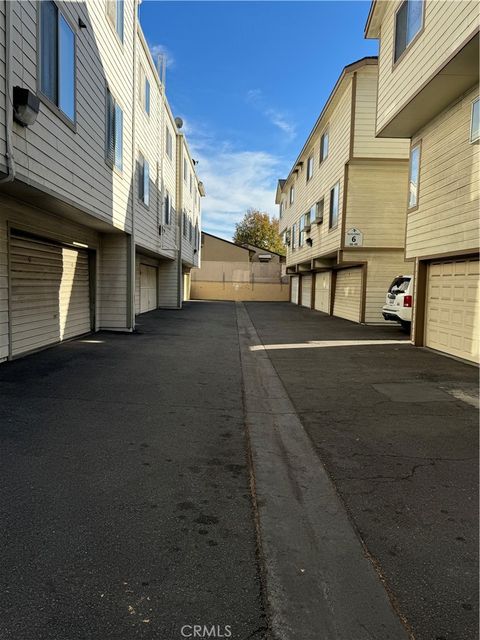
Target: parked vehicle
(399, 301)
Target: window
(324, 146)
(168, 143)
(414, 173)
(57, 59)
(184, 224)
(408, 22)
(190, 229)
(191, 183)
(197, 236)
(144, 181)
(334, 196)
(185, 170)
(294, 238)
(144, 90)
(311, 214)
(309, 168)
(280, 210)
(115, 13)
(475, 124)
(292, 194)
(301, 231)
(167, 209)
(319, 211)
(114, 128)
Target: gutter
(8, 95)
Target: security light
(309, 241)
(25, 106)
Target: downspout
(8, 95)
(132, 256)
(180, 218)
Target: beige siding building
(342, 209)
(428, 93)
(88, 236)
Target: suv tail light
(407, 301)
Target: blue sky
(249, 80)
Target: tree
(259, 229)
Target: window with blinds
(114, 136)
(143, 180)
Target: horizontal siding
(447, 216)
(377, 195)
(113, 282)
(168, 284)
(325, 176)
(446, 26)
(366, 145)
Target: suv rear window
(400, 285)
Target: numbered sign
(354, 238)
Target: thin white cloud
(161, 50)
(256, 98)
(235, 180)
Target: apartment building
(428, 92)
(89, 228)
(342, 206)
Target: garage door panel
(294, 290)
(452, 319)
(148, 288)
(322, 291)
(50, 293)
(348, 291)
(306, 298)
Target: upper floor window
(114, 130)
(413, 176)
(168, 143)
(309, 168)
(408, 22)
(294, 237)
(185, 170)
(334, 206)
(167, 209)
(144, 90)
(301, 231)
(292, 194)
(191, 183)
(319, 207)
(190, 229)
(475, 124)
(184, 225)
(324, 146)
(115, 13)
(57, 59)
(143, 180)
(280, 210)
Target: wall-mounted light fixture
(26, 106)
(309, 241)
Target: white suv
(399, 301)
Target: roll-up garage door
(294, 290)
(148, 288)
(306, 300)
(348, 289)
(50, 296)
(451, 322)
(322, 291)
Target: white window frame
(310, 163)
(292, 194)
(334, 203)
(168, 142)
(144, 180)
(474, 102)
(324, 148)
(112, 161)
(413, 203)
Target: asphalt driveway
(125, 503)
(397, 431)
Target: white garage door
(451, 323)
(322, 291)
(294, 290)
(50, 295)
(348, 294)
(148, 288)
(306, 300)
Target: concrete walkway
(396, 428)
